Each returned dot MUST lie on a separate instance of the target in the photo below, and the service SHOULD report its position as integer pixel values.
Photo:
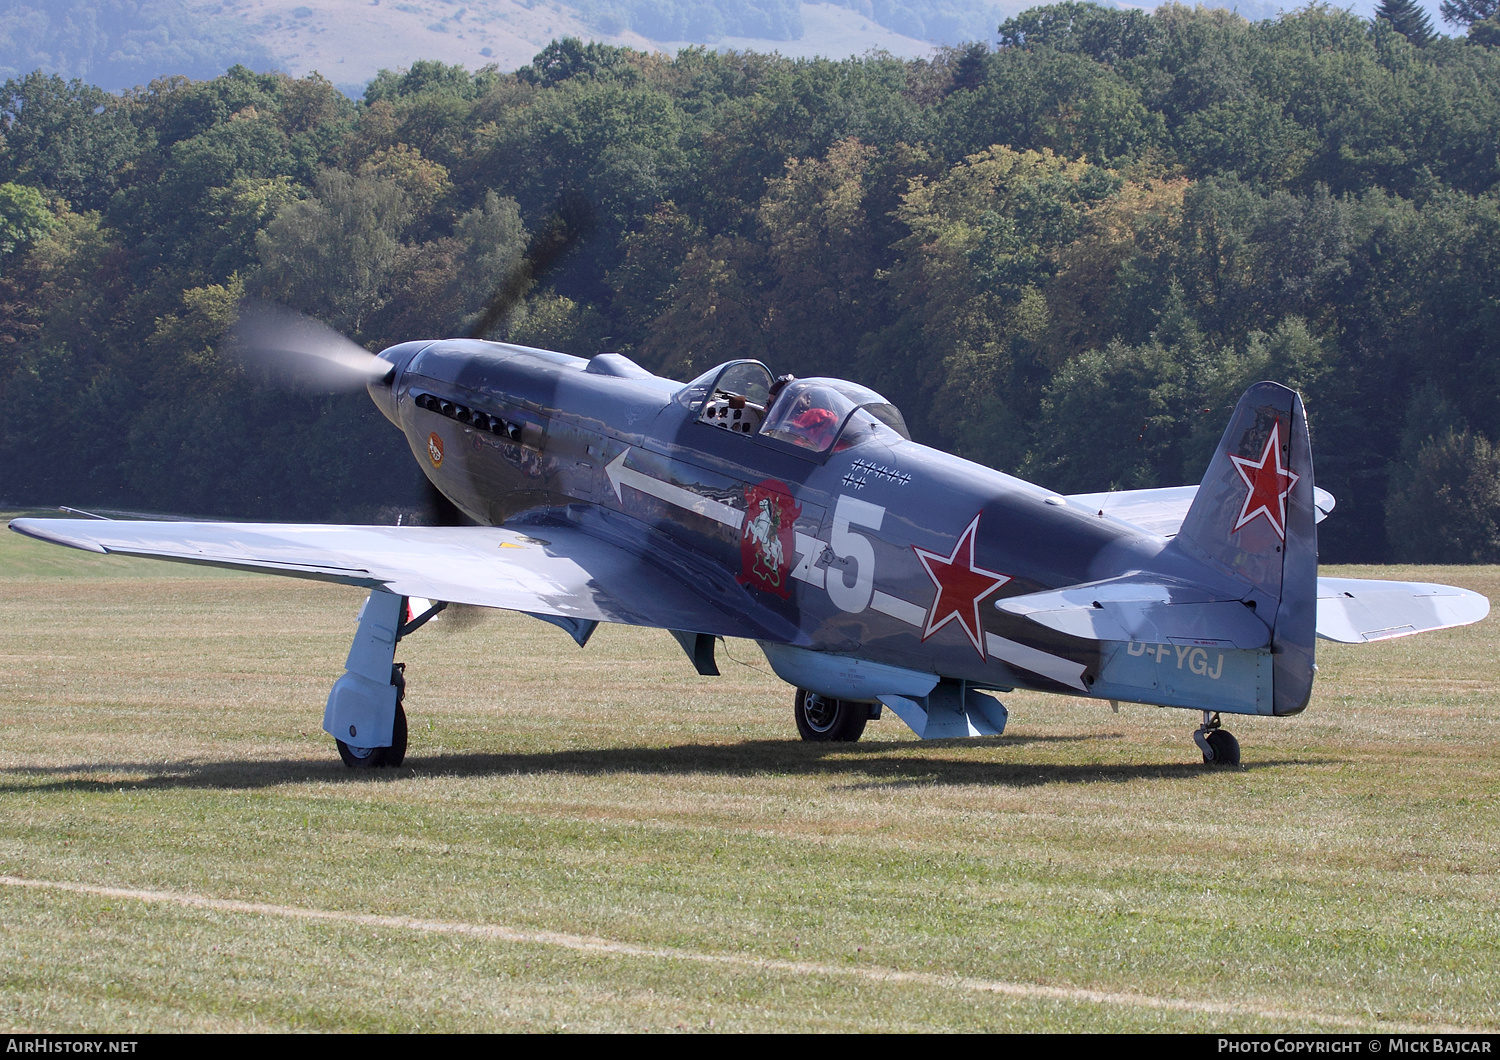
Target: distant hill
(348, 41)
(117, 44)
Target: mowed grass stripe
(589, 944)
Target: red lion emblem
(767, 542)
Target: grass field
(600, 839)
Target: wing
(1161, 511)
(1358, 610)
(555, 571)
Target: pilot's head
(818, 396)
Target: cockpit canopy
(816, 415)
(822, 414)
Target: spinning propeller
(296, 351)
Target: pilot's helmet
(820, 397)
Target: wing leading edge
(560, 571)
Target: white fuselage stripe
(1063, 671)
(894, 606)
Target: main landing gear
(822, 719)
(365, 715)
(1218, 745)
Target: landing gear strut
(365, 715)
(823, 719)
(1218, 745)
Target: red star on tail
(1267, 495)
(960, 587)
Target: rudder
(1254, 519)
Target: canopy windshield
(749, 380)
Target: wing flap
(1359, 610)
(561, 571)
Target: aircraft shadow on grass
(863, 766)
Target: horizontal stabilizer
(1161, 511)
(1358, 610)
(1143, 611)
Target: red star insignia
(1265, 478)
(960, 587)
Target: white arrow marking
(620, 475)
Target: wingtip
(50, 531)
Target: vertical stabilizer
(1254, 519)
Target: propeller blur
(297, 351)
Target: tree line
(1064, 256)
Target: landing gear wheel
(821, 719)
(1219, 746)
(1225, 748)
(395, 754)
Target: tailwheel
(1218, 745)
(824, 719)
(374, 757)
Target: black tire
(361, 757)
(1226, 749)
(395, 754)
(824, 720)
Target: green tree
(1445, 505)
(24, 217)
(552, 322)
(1407, 19)
(1468, 12)
(982, 242)
(570, 57)
(1138, 416)
(67, 137)
(1486, 32)
(336, 255)
(449, 280)
(821, 263)
(430, 77)
(1104, 34)
(1053, 100)
(650, 259)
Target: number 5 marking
(848, 545)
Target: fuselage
(880, 547)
